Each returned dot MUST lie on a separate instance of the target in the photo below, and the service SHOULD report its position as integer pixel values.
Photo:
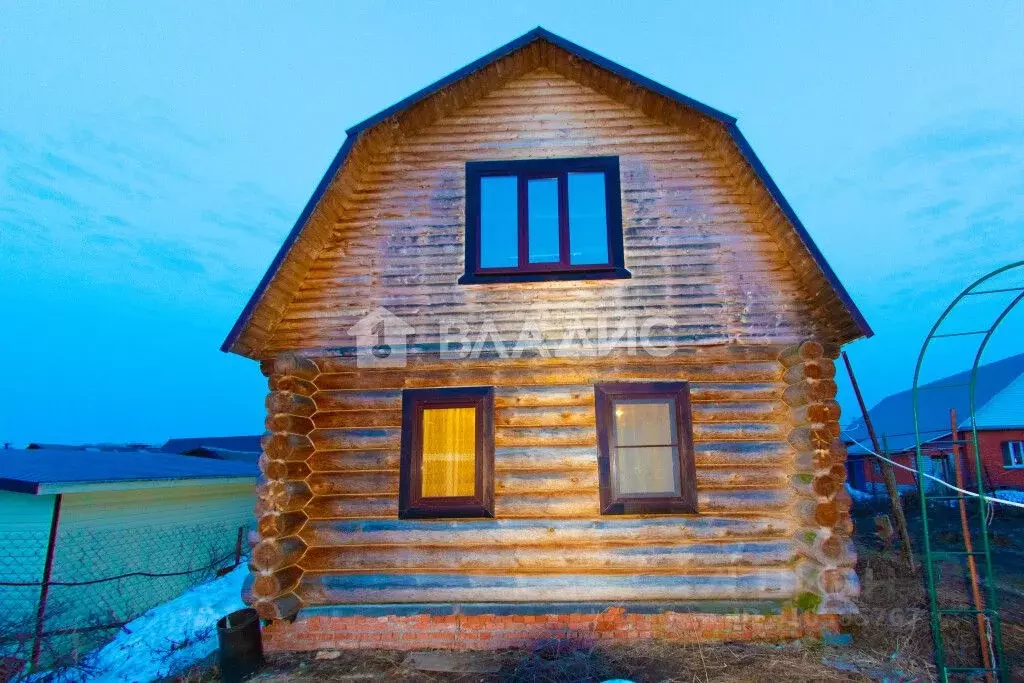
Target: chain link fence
(64, 594)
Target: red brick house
(1000, 417)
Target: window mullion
(523, 220)
(563, 219)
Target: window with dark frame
(645, 440)
(1013, 454)
(543, 219)
(447, 458)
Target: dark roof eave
(282, 253)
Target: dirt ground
(891, 637)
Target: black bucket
(241, 645)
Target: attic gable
(538, 49)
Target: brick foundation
(491, 631)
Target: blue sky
(153, 156)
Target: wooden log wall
(540, 101)
(694, 234)
(822, 510)
(766, 478)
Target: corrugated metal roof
(1005, 409)
(999, 398)
(47, 472)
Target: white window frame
(1013, 456)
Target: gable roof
(539, 34)
(999, 401)
(43, 472)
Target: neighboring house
(999, 400)
(109, 514)
(425, 468)
(237, 448)
(235, 444)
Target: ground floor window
(645, 459)
(447, 460)
(1013, 453)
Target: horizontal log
(827, 486)
(607, 530)
(288, 424)
(742, 453)
(566, 505)
(288, 403)
(537, 396)
(284, 496)
(359, 439)
(546, 559)
(282, 469)
(287, 447)
(570, 374)
(536, 482)
(355, 460)
(809, 391)
(286, 606)
(810, 438)
(276, 553)
(799, 353)
(689, 355)
(388, 399)
(269, 585)
(816, 370)
(276, 524)
(293, 365)
(552, 416)
(342, 589)
(293, 385)
(551, 437)
(825, 411)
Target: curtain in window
(449, 452)
(646, 443)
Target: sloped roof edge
(540, 33)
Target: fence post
(44, 592)
(238, 545)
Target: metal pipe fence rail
(63, 595)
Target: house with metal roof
(999, 415)
(71, 521)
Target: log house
(438, 453)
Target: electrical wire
(988, 499)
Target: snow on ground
(1011, 495)
(857, 495)
(167, 638)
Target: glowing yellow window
(447, 464)
(449, 452)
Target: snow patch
(857, 495)
(168, 638)
(1012, 495)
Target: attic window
(447, 459)
(645, 459)
(543, 219)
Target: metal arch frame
(991, 609)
